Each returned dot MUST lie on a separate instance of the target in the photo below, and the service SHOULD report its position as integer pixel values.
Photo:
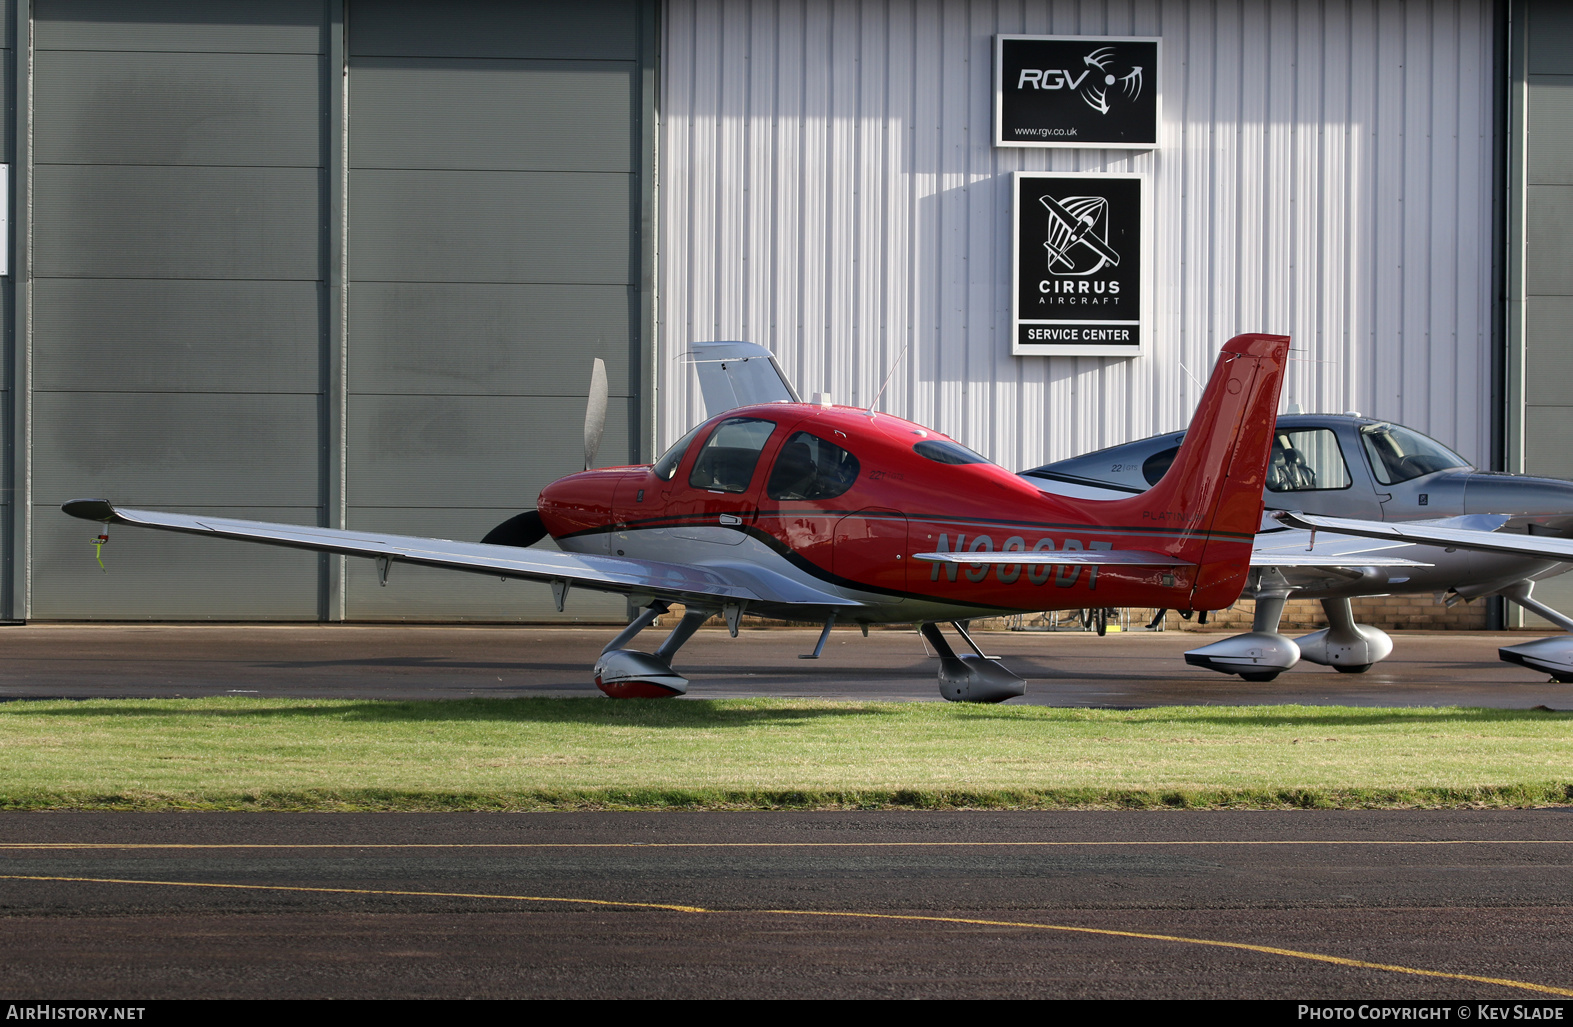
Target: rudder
(1213, 493)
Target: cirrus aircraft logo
(1098, 79)
(1078, 241)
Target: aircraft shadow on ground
(579, 670)
(652, 713)
(427, 662)
(701, 713)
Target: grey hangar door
(332, 263)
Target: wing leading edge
(623, 575)
(1285, 548)
(1474, 532)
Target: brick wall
(1390, 613)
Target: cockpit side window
(1157, 465)
(808, 467)
(943, 451)
(1307, 461)
(1398, 454)
(666, 467)
(727, 461)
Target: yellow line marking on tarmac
(1266, 949)
(1270, 950)
(360, 891)
(5, 846)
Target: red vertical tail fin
(1211, 498)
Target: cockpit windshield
(666, 467)
(1399, 454)
(727, 461)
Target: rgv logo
(1096, 82)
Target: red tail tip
(1255, 344)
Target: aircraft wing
(676, 582)
(1281, 548)
(1261, 559)
(1476, 532)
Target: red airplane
(809, 511)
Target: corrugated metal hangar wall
(1325, 170)
(11, 525)
(320, 263)
(346, 261)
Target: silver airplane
(1487, 533)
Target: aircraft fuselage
(863, 541)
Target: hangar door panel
(494, 198)
(1543, 236)
(227, 109)
(9, 608)
(177, 302)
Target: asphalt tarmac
(1298, 905)
(425, 662)
(1302, 905)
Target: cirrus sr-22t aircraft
(809, 511)
(1470, 533)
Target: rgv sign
(1079, 264)
(1094, 91)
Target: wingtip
(90, 509)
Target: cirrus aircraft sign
(1081, 264)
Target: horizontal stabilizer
(1063, 557)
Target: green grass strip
(246, 753)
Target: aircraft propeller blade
(595, 413)
(526, 529)
(523, 530)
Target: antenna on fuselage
(888, 377)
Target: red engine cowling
(581, 502)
